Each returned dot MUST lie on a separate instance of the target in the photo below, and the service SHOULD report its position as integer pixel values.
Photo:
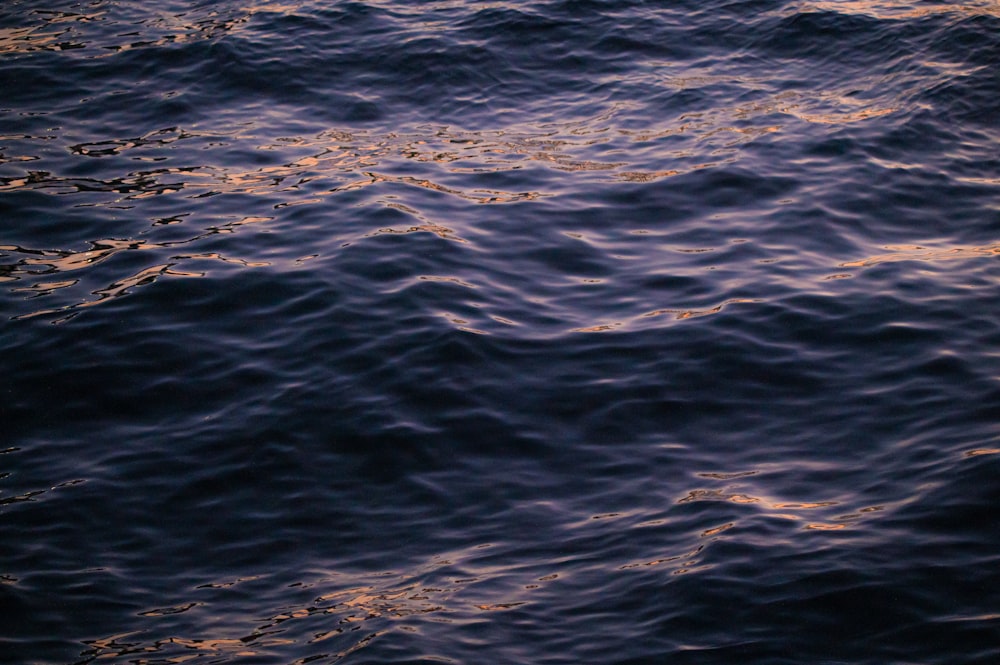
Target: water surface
(507, 332)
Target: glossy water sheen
(499, 332)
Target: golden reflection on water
(32, 263)
(920, 253)
(51, 30)
(43, 262)
(115, 289)
(603, 327)
(681, 314)
(829, 108)
(901, 9)
(126, 643)
(350, 611)
(681, 563)
(346, 612)
(334, 159)
(983, 451)
(476, 196)
(789, 510)
(839, 118)
(717, 495)
(438, 230)
(678, 314)
(649, 176)
(316, 167)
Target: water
(503, 332)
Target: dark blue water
(500, 332)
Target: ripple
(919, 253)
(114, 27)
(558, 331)
(34, 263)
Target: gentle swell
(544, 331)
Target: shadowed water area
(500, 332)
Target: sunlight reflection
(920, 253)
(902, 9)
(32, 263)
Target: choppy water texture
(500, 332)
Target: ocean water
(537, 331)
